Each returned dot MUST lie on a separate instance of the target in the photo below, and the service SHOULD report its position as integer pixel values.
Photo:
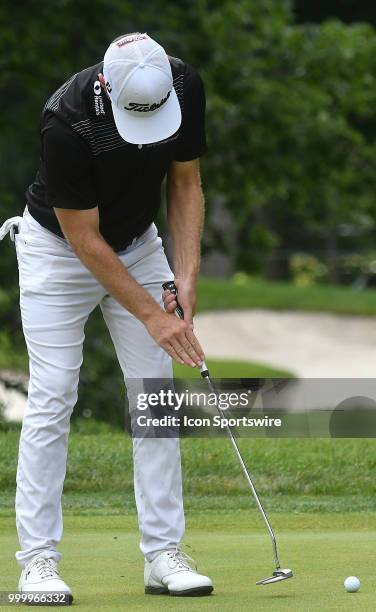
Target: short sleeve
(67, 165)
(192, 137)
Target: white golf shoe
(42, 575)
(170, 572)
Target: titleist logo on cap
(130, 39)
(146, 108)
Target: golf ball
(352, 584)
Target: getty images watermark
(253, 407)
(177, 401)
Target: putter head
(278, 575)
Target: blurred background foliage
(290, 176)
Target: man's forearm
(185, 217)
(107, 268)
(81, 229)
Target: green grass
(219, 368)
(320, 498)
(232, 369)
(220, 294)
(103, 565)
(298, 475)
(320, 494)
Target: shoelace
(45, 568)
(179, 558)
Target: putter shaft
(205, 374)
(170, 285)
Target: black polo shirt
(85, 163)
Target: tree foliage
(349, 11)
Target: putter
(279, 573)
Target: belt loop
(13, 230)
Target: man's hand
(176, 337)
(187, 299)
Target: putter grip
(170, 286)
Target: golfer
(109, 136)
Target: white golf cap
(139, 82)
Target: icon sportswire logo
(146, 108)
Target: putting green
(103, 565)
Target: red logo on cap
(130, 39)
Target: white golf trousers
(57, 294)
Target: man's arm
(81, 229)
(185, 213)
